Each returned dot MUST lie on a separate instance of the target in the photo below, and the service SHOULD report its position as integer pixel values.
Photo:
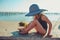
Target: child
(39, 23)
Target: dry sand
(7, 27)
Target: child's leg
(39, 28)
(35, 24)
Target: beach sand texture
(7, 27)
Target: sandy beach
(6, 27)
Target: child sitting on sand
(39, 23)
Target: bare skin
(35, 24)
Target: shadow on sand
(16, 34)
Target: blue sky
(23, 5)
(8, 5)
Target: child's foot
(49, 36)
(37, 33)
(22, 32)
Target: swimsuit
(43, 23)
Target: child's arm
(49, 23)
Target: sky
(23, 5)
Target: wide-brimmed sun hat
(34, 9)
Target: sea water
(19, 16)
(14, 16)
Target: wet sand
(7, 27)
